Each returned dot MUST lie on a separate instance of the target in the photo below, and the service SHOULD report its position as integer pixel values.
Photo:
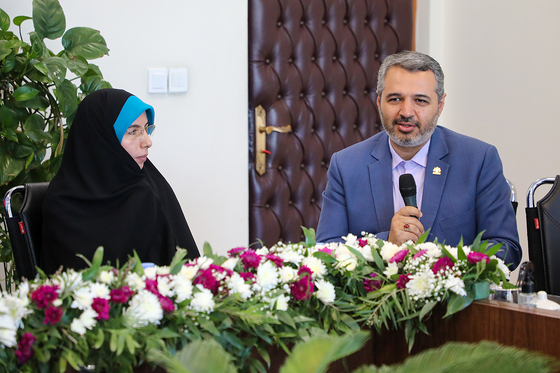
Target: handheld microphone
(407, 186)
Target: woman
(107, 193)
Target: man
(461, 189)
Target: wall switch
(157, 80)
(178, 80)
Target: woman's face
(137, 147)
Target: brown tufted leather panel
(313, 64)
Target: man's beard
(409, 140)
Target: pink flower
(24, 350)
(247, 276)
(206, 279)
(326, 250)
(362, 242)
(166, 304)
(220, 269)
(474, 257)
(53, 315)
(302, 289)
(442, 264)
(372, 285)
(44, 295)
(235, 251)
(278, 262)
(101, 306)
(419, 254)
(304, 271)
(151, 286)
(401, 282)
(250, 259)
(121, 295)
(399, 256)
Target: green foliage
(39, 94)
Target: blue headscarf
(132, 109)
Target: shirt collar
(421, 158)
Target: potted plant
(39, 94)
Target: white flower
(267, 276)
(237, 284)
(291, 256)
(349, 264)
(388, 250)
(165, 286)
(100, 291)
(346, 260)
(366, 252)
(262, 251)
(501, 265)
(351, 239)
(150, 273)
(287, 274)
(230, 263)
(391, 269)
(162, 270)
(421, 284)
(432, 250)
(8, 329)
(456, 285)
(203, 301)
(325, 291)
(183, 288)
(189, 271)
(135, 282)
(316, 265)
(82, 298)
(281, 302)
(451, 250)
(204, 262)
(106, 277)
(87, 320)
(144, 309)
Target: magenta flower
(44, 295)
(326, 250)
(402, 281)
(442, 264)
(53, 315)
(24, 350)
(474, 257)
(101, 306)
(419, 254)
(278, 262)
(372, 285)
(220, 269)
(247, 276)
(302, 289)
(235, 251)
(121, 295)
(362, 242)
(399, 256)
(250, 259)
(304, 271)
(206, 279)
(166, 304)
(151, 286)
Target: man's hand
(406, 226)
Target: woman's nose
(145, 141)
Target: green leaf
(19, 20)
(310, 239)
(5, 50)
(25, 93)
(208, 325)
(38, 45)
(10, 168)
(4, 20)
(77, 65)
(34, 128)
(67, 94)
(84, 42)
(10, 59)
(131, 344)
(426, 309)
(48, 18)
(56, 68)
(10, 134)
(100, 339)
(93, 83)
(207, 249)
(200, 356)
(285, 317)
(456, 303)
(8, 118)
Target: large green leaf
(4, 20)
(85, 42)
(48, 18)
(38, 45)
(67, 93)
(25, 93)
(92, 84)
(19, 20)
(78, 65)
(8, 118)
(9, 167)
(34, 128)
(9, 64)
(4, 49)
(56, 67)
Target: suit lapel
(381, 183)
(434, 182)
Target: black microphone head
(407, 185)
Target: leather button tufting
(279, 23)
(334, 128)
(301, 95)
(290, 202)
(290, 60)
(344, 93)
(345, 21)
(334, 58)
(279, 96)
(267, 61)
(302, 22)
(267, 206)
(313, 58)
(302, 165)
(312, 200)
(323, 93)
(279, 168)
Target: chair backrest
(543, 234)
(25, 226)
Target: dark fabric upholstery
(313, 65)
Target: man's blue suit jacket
(465, 193)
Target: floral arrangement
(114, 318)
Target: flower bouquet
(118, 317)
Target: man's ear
(378, 101)
(441, 104)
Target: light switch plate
(157, 80)
(178, 79)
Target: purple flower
(250, 259)
(166, 304)
(442, 264)
(235, 251)
(419, 254)
(121, 295)
(44, 295)
(362, 242)
(475, 257)
(302, 289)
(53, 315)
(24, 350)
(402, 281)
(305, 271)
(247, 276)
(101, 306)
(206, 279)
(278, 262)
(326, 250)
(399, 256)
(372, 285)
(151, 286)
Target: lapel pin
(436, 171)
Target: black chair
(543, 234)
(513, 196)
(25, 226)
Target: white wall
(500, 60)
(201, 142)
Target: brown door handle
(261, 130)
(270, 129)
